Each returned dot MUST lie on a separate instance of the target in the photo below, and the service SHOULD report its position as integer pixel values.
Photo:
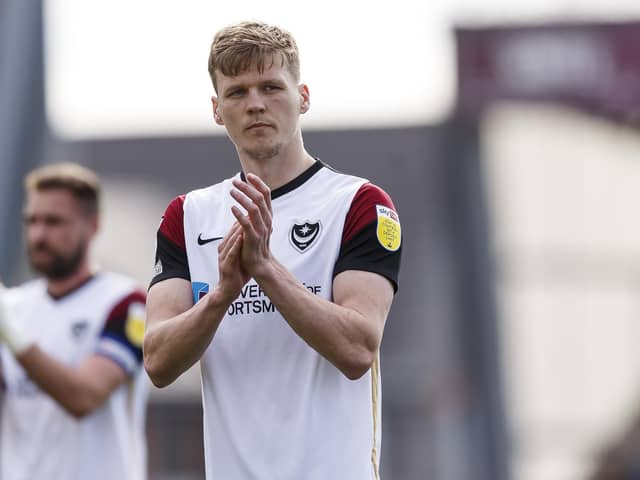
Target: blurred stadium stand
(558, 106)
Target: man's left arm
(347, 331)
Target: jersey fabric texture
(274, 408)
(40, 440)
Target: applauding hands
(255, 197)
(16, 340)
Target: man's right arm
(177, 331)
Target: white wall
(564, 191)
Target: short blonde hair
(80, 181)
(237, 47)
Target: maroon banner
(589, 66)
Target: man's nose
(255, 101)
(36, 231)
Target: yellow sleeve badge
(388, 230)
(134, 328)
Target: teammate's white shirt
(274, 408)
(39, 439)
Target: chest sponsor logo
(79, 329)
(388, 230)
(303, 236)
(253, 301)
(204, 241)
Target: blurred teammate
(75, 392)
(292, 268)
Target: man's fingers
(232, 250)
(225, 241)
(262, 187)
(227, 244)
(253, 219)
(249, 190)
(258, 196)
(265, 191)
(243, 220)
(249, 205)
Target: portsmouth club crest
(304, 235)
(79, 329)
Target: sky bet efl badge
(134, 328)
(388, 230)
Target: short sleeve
(122, 335)
(372, 236)
(171, 253)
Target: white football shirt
(39, 439)
(274, 408)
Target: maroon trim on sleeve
(120, 312)
(172, 225)
(363, 209)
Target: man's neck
(281, 169)
(60, 287)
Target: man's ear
(93, 224)
(305, 97)
(216, 110)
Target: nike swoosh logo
(204, 241)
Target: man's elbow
(151, 363)
(156, 374)
(358, 365)
(83, 405)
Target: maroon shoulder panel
(363, 209)
(172, 226)
(119, 313)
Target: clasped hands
(244, 253)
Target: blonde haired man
(279, 281)
(74, 394)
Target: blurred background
(507, 135)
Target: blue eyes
(265, 88)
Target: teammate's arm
(81, 390)
(78, 390)
(178, 332)
(347, 331)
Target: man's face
(260, 110)
(58, 232)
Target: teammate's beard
(60, 266)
